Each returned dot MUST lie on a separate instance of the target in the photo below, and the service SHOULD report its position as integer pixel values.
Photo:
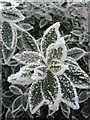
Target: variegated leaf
(9, 39)
(43, 92)
(12, 14)
(29, 42)
(76, 53)
(28, 74)
(50, 36)
(79, 78)
(27, 57)
(69, 92)
(55, 56)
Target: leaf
(9, 115)
(27, 57)
(43, 92)
(15, 90)
(26, 26)
(35, 97)
(79, 78)
(8, 94)
(6, 102)
(42, 22)
(65, 110)
(86, 111)
(69, 92)
(55, 56)
(29, 42)
(16, 104)
(83, 96)
(24, 102)
(50, 36)
(76, 32)
(76, 53)
(12, 14)
(52, 91)
(27, 75)
(9, 38)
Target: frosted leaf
(9, 114)
(56, 55)
(16, 104)
(50, 36)
(76, 32)
(79, 78)
(10, 42)
(42, 22)
(35, 97)
(68, 90)
(65, 110)
(25, 26)
(27, 57)
(83, 96)
(52, 91)
(43, 92)
(27, 74)
(76, 53)
(8, 35)
(11, 14)
(29, 42)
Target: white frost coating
(15, 11)
(14, 110)
(59, 43)
(68, 103)
(55, 106)
(20, 57)
(18, 78)
(76, 49)
(56, 26)
(34, 42)
(14, 48)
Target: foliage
(45, 76)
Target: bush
(45, 54)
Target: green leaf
(29, 42)
(68, 90)
(24, 102)
(86, 111)
(79, 78)
(76, 53)
(42, 22)
(55, 56)
(26, 26)
(65, 110)
(9, 40)
(6, 102)
(45, 91)
(35, 97)
(15, 90)
(83, 96)
(50, 36)
(11, 14)
(8, 94)
(51, 91)
(9, 115)
(16, 104)
(28, 74)
(76, 32)
(27, 57)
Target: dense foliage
(45, 54)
